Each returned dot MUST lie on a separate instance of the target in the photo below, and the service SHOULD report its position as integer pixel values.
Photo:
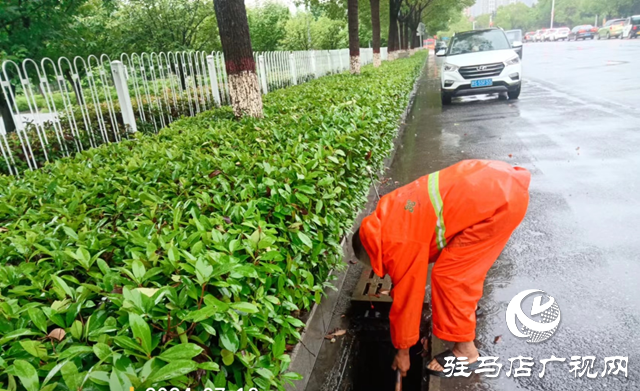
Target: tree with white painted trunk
(354, 39)
(244, 87)
(375, 31)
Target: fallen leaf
(335, 333)
(510, 155)
(57, 334)
(353, 262)
(3, 229)
(577, 149)
(384, 292)
(226, 219)
(215, 173)
(497, 339)
(368, 156)
(333, 340)
(339, 332)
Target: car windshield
(479, 41)
(635, 20)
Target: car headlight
(513, 61)
(450, 68)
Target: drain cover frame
(369, 287)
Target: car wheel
(598, 37)
(608, 36)
(515, 94)
(446, 98)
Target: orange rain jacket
(460, 218)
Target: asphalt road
(576, 127)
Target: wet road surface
(576, 127)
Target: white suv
(480, 62)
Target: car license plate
(481, 83)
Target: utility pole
(553, 8)
(596, 25)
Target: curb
(303, 356)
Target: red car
(528, 37)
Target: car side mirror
(516, 44)
(441, 53)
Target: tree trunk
(375, 31)
(354, 39)
(75, 85)
(392, 44)
(5, 113)
(402, 36)
(244, 87)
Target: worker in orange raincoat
(460, 218)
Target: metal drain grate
(372, 288)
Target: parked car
(528, 37)
(430, 43)
(546, 35)
(611, 29)
(632, 27)
(480, 62)
(441, 45)
(581, 32)
(538, 36)
(561, 34)
(515, 39)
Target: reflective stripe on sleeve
(436, 202)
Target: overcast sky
(288, 3)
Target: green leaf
(76, 330)
(62, 285)
(102, 351)
(119, 381)
(209, 366)
(245, 307)
(292, 376)
(128, 343)
(37, 317)
(305, 239)
(172, 370)
(264, 372)
(229, 338)
(16, 334)
(279, 345)
(181, 352)
(227, 357)
(141, 332)
(138, 269)
(203, 271)
(71, 376)
(27, 374)
(34, 348)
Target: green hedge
(189, 258)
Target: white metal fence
(69, 105)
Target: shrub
(189, 258)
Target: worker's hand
(402, 361)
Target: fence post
(263, 74)
(314, 69)
(292, 65)
(122, 88)
(213, 79)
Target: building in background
(482, 7)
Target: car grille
(486, 70)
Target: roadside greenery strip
(190, 258)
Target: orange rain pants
(460, 218)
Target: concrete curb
(303, 356)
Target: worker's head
(358, 249)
